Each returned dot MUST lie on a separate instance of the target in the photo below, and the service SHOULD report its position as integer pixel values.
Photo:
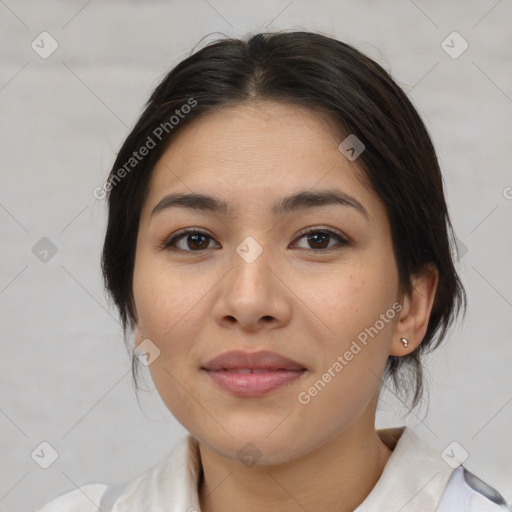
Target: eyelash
(170, 242)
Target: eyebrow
(299, 201)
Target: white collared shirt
(415, 479)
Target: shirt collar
(413, 479)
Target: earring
(404, 341)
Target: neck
(338, 475)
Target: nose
(252, 296)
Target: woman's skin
(294, 299)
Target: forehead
(255, 153)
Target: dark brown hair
(319, 72)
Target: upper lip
(264, 359)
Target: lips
(253, 361)
(252, 374)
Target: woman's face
(250, 281)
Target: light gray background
(64, 370)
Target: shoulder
(449, 488)
(466, 491)
(84, 499)
(173, 481)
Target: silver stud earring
(404, 341)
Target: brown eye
(319, 239)
(194, 241)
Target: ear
(137, 336)
(415, 314)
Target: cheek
(173, 309)
(352, 359)
(351, 298)
(357, 308)
(167, 300)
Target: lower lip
(253, 384)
